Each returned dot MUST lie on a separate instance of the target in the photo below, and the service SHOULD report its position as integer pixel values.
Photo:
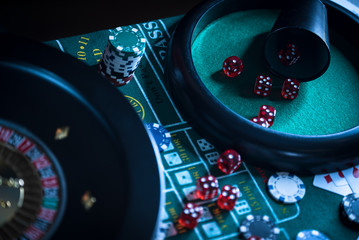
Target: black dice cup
(298, 44)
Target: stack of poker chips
(125, 48)
(349, 211)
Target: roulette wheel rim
(226, 129)
(99, 158)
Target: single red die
(267, 112)
(228, 197)
(289, 54)
(190, 215)
(232, 66)
(263, 85)
(207, 187)
(290, 88)
(260, 121)
(229, 161)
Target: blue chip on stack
(160, 134)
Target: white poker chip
(286, 187)
(311, 234)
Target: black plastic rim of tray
(43, 89)
(225, 129)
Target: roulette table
(110, 178)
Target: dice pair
(265, 116)
(263, 86)
(207, 188)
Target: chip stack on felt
(125, 48)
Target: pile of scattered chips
(125, 48)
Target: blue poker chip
(160, 134)
(311, 235)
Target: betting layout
(264, 206)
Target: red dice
(228, 197)
(255, 238)
(190, 215)
(267, 112)
(229, 161)
(263, 85)
(207, 187)
(260, 121)
(289, 54)
(232, 66)
(290, 88)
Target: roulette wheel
(69, 161)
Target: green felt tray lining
(327, 105)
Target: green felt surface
(327, 105)
(190, 156)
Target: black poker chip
(349, 210)
(260, 226)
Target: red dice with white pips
(263, 86)
(207, 187)
(232, 66)
(267, 112)
(190, 215)
(260, 121)
(229, 161)
(290, 88)
(228, 197)
(289, 54)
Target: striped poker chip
(128, 41)
(259, 226)
(126, 63)
(349, 210)
(108, 71)
(116, 80)
(160, 134)
(311, 235)
(286, 188)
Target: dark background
(53, 20)
(56, 19)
